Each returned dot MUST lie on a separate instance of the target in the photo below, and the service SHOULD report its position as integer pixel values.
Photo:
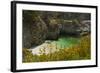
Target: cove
(51, 46)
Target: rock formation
(38, 27)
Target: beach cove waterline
(50, 46)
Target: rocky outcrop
(34, 33)
(53, 30)
(37, 32)
(70, 27)
(86, 24)
(86, 27)
(37, 29)
(75, 27)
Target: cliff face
(75, 27)
(53, 30)
(37, 33)
(70, 27)
(34, 31)
(38, 27)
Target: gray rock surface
(38, 28)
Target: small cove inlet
(51, 46)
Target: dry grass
(82, 51)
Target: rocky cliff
(38, 27)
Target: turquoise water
(50, 46)
(65, 42)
